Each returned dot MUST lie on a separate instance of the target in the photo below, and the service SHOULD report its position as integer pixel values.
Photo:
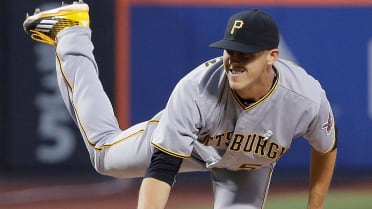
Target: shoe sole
(57, 12)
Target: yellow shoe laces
(40, 37)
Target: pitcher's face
(244, 69)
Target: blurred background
(144, 47)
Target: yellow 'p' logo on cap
(237, 25)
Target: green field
(335, 200)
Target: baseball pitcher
(234, 116)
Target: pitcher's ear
(273, 55)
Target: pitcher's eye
(229, 52)
(235, 53)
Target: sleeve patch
(328, 125)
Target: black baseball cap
(249, 32)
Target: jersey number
(249, 166)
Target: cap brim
(236, 46)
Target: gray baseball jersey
(205, 119)
(203, 122)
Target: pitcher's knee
(121, 170)
(101, 170)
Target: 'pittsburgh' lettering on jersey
(250, 143)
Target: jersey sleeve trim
(169, 152)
